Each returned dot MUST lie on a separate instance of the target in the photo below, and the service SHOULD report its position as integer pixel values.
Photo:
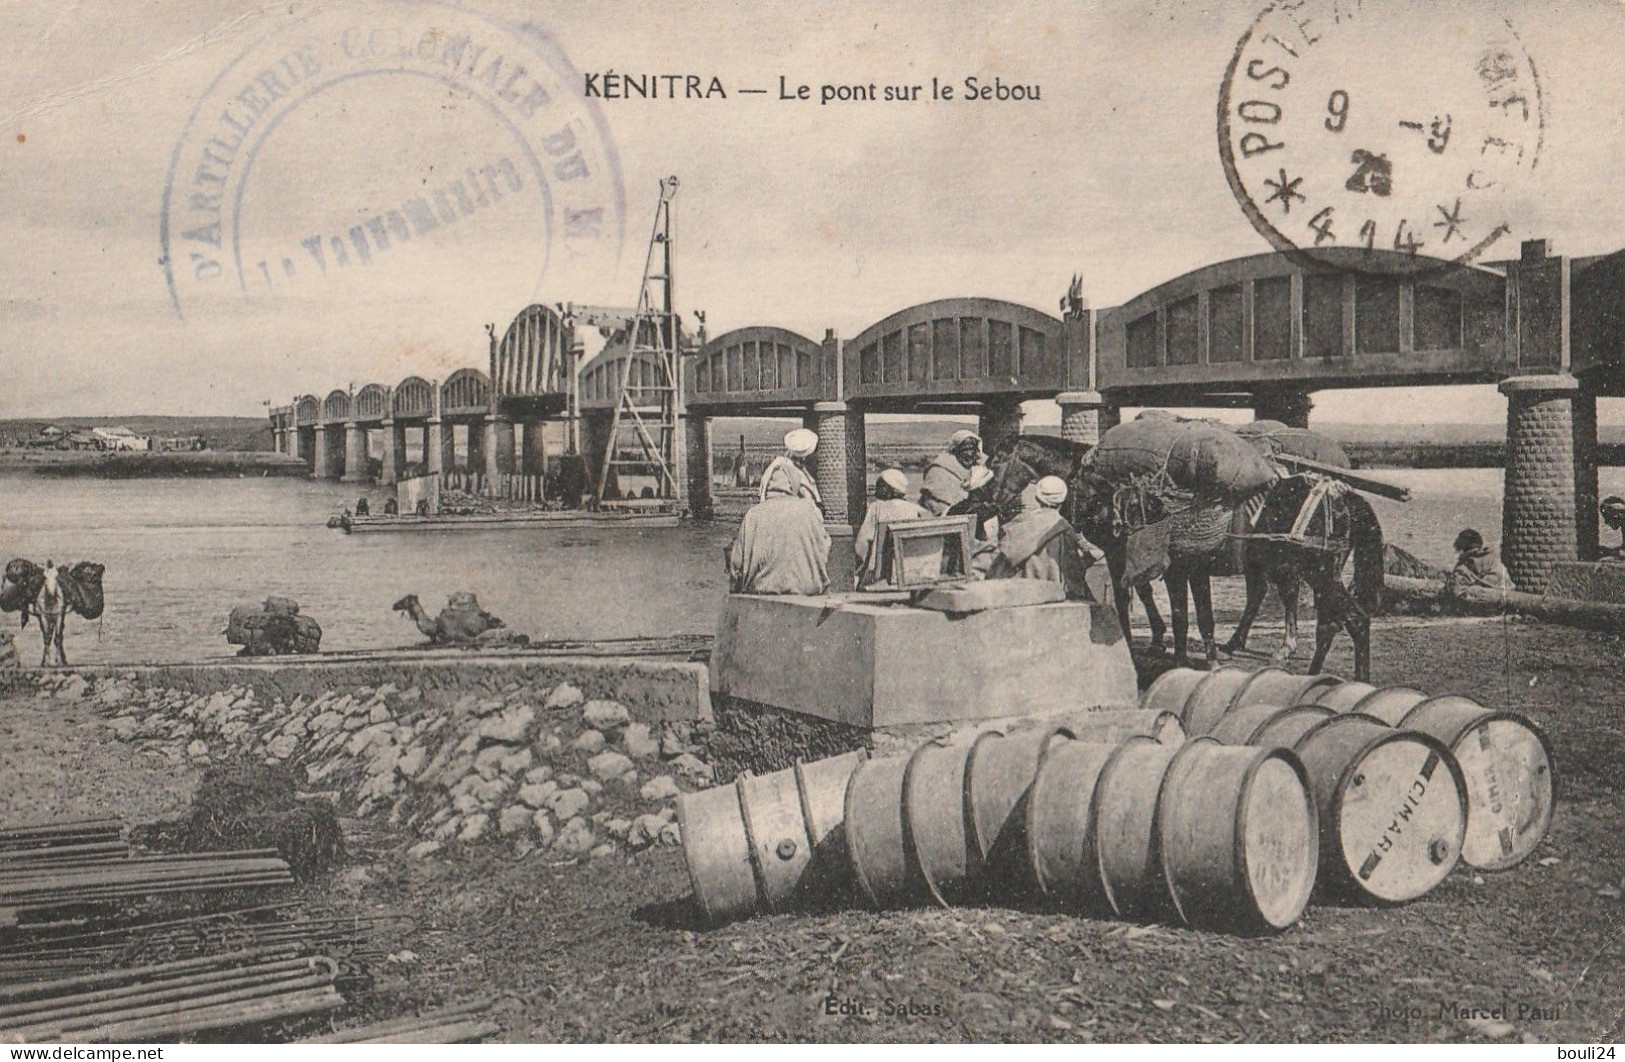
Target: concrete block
(872, 665)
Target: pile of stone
(542, 770)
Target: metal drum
(1390, 703)
(1341, 698)
(785, 825)
(776, 830)
(876, 843)
(1061, 824)
(1508, 766)
(1276, 685)
(1117, 726)
(1237, 836)
(821, 786)
(935, 813)
(717, 852)
(1124, 810)
(1240, 724)
(1172, 689)
(1001, 771)
(1284, 728)
(1392, 805)
(1210, 700)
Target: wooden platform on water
(560, 519)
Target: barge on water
(647, 516)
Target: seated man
(391, 507)
(1612, 512)
(781, 548)
(891, 503)
(362, 508)
(787, 473)
(979, 504)
(948, 474)
(1475, 566)
(1040, 544)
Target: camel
(49, 594)
(461, 622)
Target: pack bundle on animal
(1184, 500)
(272, 628)
(48, 594)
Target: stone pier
(999, 419)
(1290, 406)
(394, 454)
(357, 457)
(498, 447)
(1549, 509)
(1085, 415)
(839, 465)
(438, 449)
(319, 454)
(697, 437)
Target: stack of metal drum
(1227, 802)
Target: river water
(180, 553)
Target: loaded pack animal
(1289, 538)
(48, 594)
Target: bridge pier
(1085, 415)
(438, 447)
(1000, 418)
(394, 452)
(474, 458)
(319, 462)
(497, 446)
(1290, 406)
(356, 455)
(840, 464)
(1549, 505)
(697, 437)
(533, 450)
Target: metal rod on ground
(174, 987)
(391, 1025)
(66, 826)
(463, 1032)
(114, 976)
(289, 1006)
(57, 900)
(255, 992)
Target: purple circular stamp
(358, 149)
(1399, 130)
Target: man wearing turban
(891, 504)
(948, 476)
(1040, 544)
(788, 473)
(782, 546)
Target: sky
(789, 212)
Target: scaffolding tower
(644, 432)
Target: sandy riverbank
(610, 949)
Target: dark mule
(1019, 460)
(1345, 524)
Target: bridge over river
(1263, 332)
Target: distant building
(120, 439)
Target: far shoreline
(150, 465)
